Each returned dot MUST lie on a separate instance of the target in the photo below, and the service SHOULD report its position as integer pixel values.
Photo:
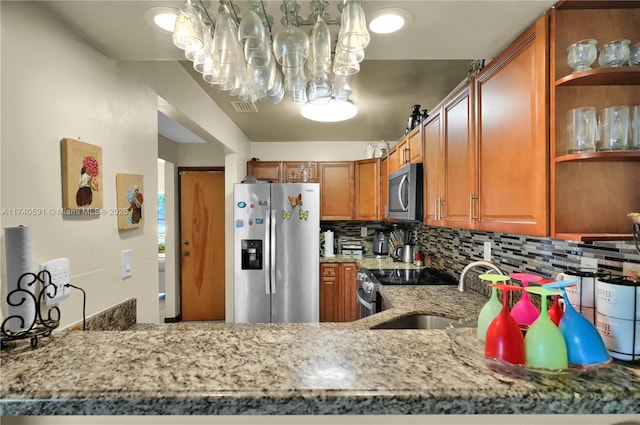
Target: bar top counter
(299, 369)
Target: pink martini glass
(524, 312)
(504, 338)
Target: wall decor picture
(81, 175)
(130, 190)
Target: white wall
(310, 151)
(55, 85)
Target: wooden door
(512, 130)
(270, 171)
(336, 190)
(433, 168)
(384, 187)
(403, 152)
(202, 281)
(460, 191)
(347, 302)
(414, 144)
(329, 276)
(367, 189)
(394, 159)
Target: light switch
(127, 260)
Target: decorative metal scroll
(38, 325)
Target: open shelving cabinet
(591, 193)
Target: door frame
(179, 230)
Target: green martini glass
(492, 307)
(545, 346)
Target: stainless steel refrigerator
(276, 270)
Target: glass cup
(634, 55)
(614, 53)
(581, 54)
(581, 130)
(634, 141)
(614, 128)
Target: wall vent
(244, 106)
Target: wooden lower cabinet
(338, 292)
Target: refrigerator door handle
(267, 253)
(272, 248)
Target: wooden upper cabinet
(403, 152)
(270, 171)
(592, 193)
(384, 187)
(414, 144)
(367, 189)
(394, 159)
(433, 170)
(292, 172)
(512, 135)
(460, 184)
(336, 190)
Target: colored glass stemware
(504, 339)
(544, 343)
(524, 312)
(492, 307)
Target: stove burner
(425, 276)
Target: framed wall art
(81, 175)
(130, 192)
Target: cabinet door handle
(471, 198)
(440, 208)
(435, 209)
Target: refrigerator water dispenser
(251, 254)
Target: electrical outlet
(127, 259)
(59, 270)
(487, 251)
(588, 263)
(631, 269)
(363, 231)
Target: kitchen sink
(416, 321)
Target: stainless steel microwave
(405, 193)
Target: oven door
(366, 307)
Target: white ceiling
(419, 65)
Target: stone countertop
(302, 369)
(370, 262)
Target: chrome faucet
(475, 264)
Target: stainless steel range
(369, 299)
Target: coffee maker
(380, 243)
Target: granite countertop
(370, 262)
(302, 369)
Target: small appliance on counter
(351, 249)
(380, 243)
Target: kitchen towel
(328, 244)
(19, 261)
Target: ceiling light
(162, 17)
(333, 111)
(390, 20)
(241, 55)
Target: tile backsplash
(450, 250)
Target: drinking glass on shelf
(582, 129)
(614, 128)
(581, 54)
(634, 141)
(634, 55)
(614, 53)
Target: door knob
(186, 243)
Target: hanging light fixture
(242, 57)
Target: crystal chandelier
(242, 57)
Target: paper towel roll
(328, 244)
(19, 261)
